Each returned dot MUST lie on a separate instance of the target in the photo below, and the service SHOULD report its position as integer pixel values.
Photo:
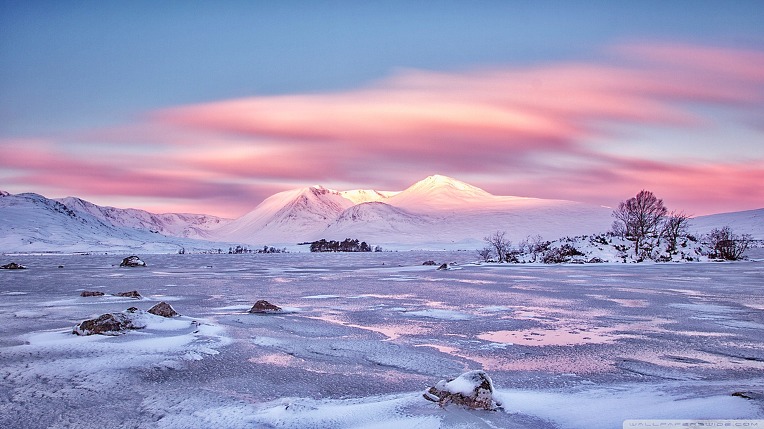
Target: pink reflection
(391, 331)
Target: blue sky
(76, 68)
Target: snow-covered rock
(110, 324)
(163, 309)
(129, 294)
(473, 389)
(12, 266)
(132, 261)
(264, 307)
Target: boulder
(13, 266)
(473, 389)
(753, 396)
(443, 267)
(430, 263)
(163, 309)
(263, 306)
(132, 261)
(109, 324)
(130, 294)
(91, 293)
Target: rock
(132, 261)
(430, 263)
(132, 309)
(749, 395)
(60, 266)
(163, 309)
(131, 294)
(473, 389)
(13, 266)
(263, 306)
(91, 293)
(108, 324)
(443, 267)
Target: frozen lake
(570, 346)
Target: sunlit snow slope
(744, 222)
(33, 223)
(437, 212)
(174, 224)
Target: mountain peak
(438, 181)
(441, 192)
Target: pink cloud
(510, 123)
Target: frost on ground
(570, 346)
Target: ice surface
(614, 342)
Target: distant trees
(727, 245)
(639, 218)
(347, 245)
(500, 245)
(243, 249)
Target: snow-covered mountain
(437, 212)
(743, 222)
(33, 223)
(173, 224)
(360, 196)
(287, 217)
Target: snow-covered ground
(363, 335)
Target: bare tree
(727, 245)
(485, 253)
(532, 246)
(500, 244)
(674, 227)
(639, 218)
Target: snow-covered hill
(32, 223)
(743, 222)
(173, 224)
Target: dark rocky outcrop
(473, 389)
(130, 294)
(443, 267)
(108, 324)
(263, 306)
(430, 263)
(132, 261)
(87, 293)
(163, 309)
(753, 396)
(13, 266)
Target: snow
(33, 223)
(744, 222)
(436, 213)
(361, 349)
(173, 224)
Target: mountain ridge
(437, 212)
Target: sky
(211, 107)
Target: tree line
(347, 245)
